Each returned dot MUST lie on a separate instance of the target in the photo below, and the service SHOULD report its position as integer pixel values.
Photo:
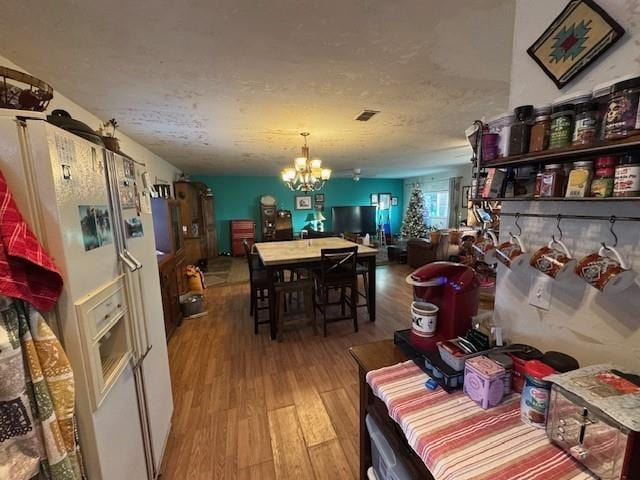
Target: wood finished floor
(249, 408)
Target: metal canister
(505, 362)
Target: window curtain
(455, 187)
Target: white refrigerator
(90, 208)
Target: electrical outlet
(540, 292)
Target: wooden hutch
(198, 221)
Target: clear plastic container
(386, 464)
(561, 129)
(585, 129)
(521, 130)
(501, 124)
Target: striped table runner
(456, 439)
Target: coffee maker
(455, 290)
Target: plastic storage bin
(385, 463)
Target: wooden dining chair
(301, 287)
(337, 272)
(258, 287)
(363, 271)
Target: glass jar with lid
(520, 130)
(552, 181)
(622, 117)
(585, 127)
(627, 177)
(561, 129)
(604, 177)
(579, 179)
(539, 140)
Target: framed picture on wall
(303, 202)
(384, 201)
(394, 201)
(319, 198)
(374, 199)
(575, 39)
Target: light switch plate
(540, 293)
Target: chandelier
(307, 175)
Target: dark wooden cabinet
(171, 270)
(167, 228)
(198, 220)
(241, 230)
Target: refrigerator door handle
(133, 259)
(130, 265)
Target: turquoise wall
(239, 197)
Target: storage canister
(622, 117)
(604, 177)
(534, 402)
(520, 359)
(506, 362)
(539, 140)
(579, 179)
(484, 381)
(602, 94)
(519, 135)
(586, 124)
(501, 124)
(538, 185)
(552, 182)
(560, 362)
(490, 143)
(561, 129)
(627, 177)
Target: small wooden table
(306, 253)
(372, 356)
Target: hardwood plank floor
(249, 408)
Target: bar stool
(337, 272)
(258, 286)
(302, 287)
(364, 271)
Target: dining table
(307, 253)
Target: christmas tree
(414, 224)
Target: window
(437, 208)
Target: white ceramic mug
(512, 253)
(609, 275)
(485, 247)
(424, 318)
(553, 261)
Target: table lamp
(310, 221)
(319, 219)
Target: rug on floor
(226, 271)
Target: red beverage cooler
(455, 290)
(242, 230)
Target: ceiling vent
(366, 115)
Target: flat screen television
(360, 220)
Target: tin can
(534, 402)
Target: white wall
(589, 325)
(158, 168)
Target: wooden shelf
(556, 199)
(569, 154)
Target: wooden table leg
(365, 440)
(271, 272)
(371, 294)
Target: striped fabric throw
(456, 439)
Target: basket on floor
(21, 91)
